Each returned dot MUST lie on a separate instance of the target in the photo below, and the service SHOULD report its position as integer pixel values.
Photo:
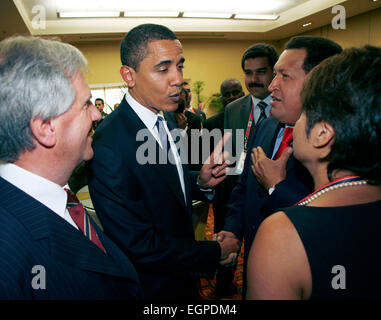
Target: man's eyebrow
(165, 62)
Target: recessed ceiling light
(212, 15)
(89, 14)
(256, 16)
(163, 14)
(307, 24)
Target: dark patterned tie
(286, 142)
(162, 133)
(262, 105)
(82, 219)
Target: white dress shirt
(149, 119)
(47, 192)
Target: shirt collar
(148, 117)
(47, 192)
(256, 100)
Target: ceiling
(21, 16)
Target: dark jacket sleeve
(234, 221)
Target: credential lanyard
(248, 128)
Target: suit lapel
(268, 135)
(67, 244)
(245, 111)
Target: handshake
(230, 247)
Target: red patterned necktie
(286, 141)
(82, 219)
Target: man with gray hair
(50, 248)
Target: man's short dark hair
(100, 99)
(260, 50)
(345, 91)
(317, 48)
(134, 46)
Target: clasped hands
(230, 247)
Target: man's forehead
(160, 47)
(256, 63)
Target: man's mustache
(256, 84)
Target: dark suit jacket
(75, 268)
(236, 117)
(250, 203)
(142, 208)
(215, 122)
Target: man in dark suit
(271, 180)
(145, 204)
(43, 252)
(100, 105)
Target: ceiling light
(256, 16)
(89, 14)
(307, 24)
(211, 15)
(151, 14)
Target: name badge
(241, 162)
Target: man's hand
(214, 169)
(269, 172)
(222, 235)
(230, 260)
(181, 120)
(229, 246)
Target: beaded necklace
(346, 181)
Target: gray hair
(35, 78)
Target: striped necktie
(82, 219)
(262, 105)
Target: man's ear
(128, 74)
(44, 132)
(323, 134)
